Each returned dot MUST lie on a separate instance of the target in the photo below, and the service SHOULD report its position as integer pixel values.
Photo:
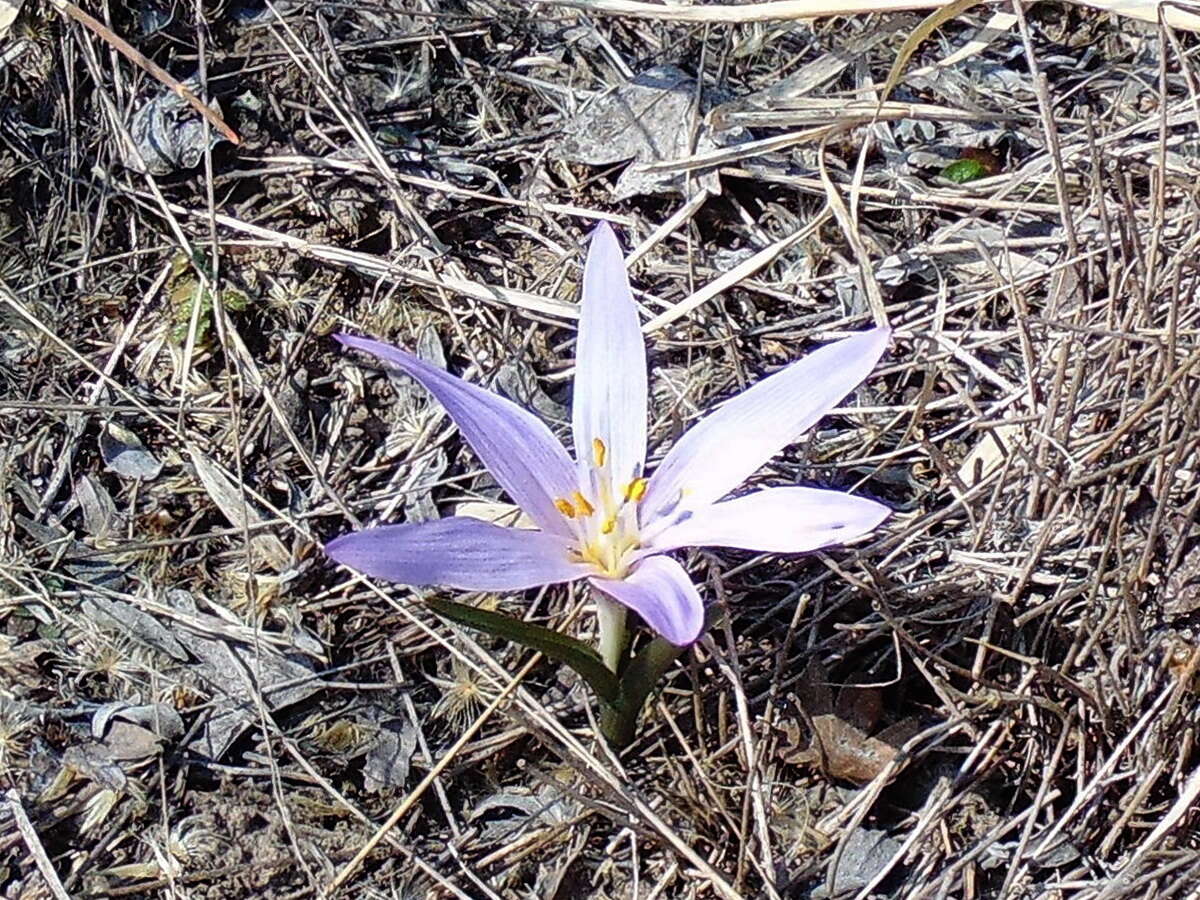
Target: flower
(602, 517)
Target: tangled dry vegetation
(993, 697)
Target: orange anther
(581, 503)
(637, 489)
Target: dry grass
(194, 703)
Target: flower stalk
(610, 623)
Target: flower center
(604, 518)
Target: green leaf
(576, 654)
(234, 299)
(183, 294)
(963, 170)
(184, 290)
(619, 718)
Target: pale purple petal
(660, 591)
(776, 520)
(459, 553)
(720, 451)
(610, 364)
(516, 446)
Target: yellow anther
(599, 452)
(609, 525)
(564, 506)
(581, 503)
(636, 489)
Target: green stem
(618, 717)
(617, 724)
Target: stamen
(599, 452)
(636, 489)
(581, 503)
(563, 505)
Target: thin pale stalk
(618, 718)
(614, 638)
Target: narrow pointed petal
(660, 591)
(458, 553)
(776, 520)
(610, 363)
(516, 446)
(724, 448)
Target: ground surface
(992, 697)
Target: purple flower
(602, 517)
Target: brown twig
(129, 52)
